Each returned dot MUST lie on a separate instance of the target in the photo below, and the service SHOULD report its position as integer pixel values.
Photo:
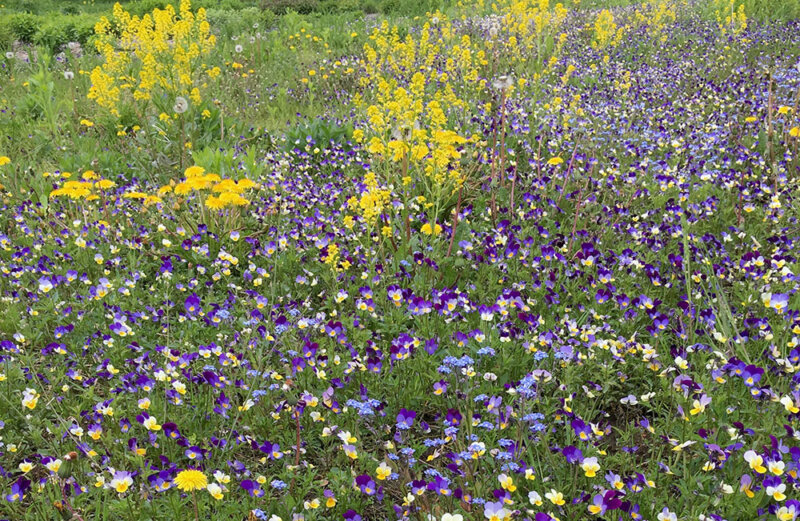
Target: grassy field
(431, 261)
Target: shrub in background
(281, 7)
(230, 22)
(24, 26)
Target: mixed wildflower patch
(550, 273)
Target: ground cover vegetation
(446, 261)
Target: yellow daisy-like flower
(190, 479)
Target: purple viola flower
(573, 454)
(602, 296)
(160, 481)
(495, 510)
(582, 431)
(779, 301)
(405, 419)
(171, 430)
(454, 417)
(598, 506)
(603, 502)
(493, 404)
(746, 484)
(752, 375)
(365, 484)
(352, 515)
(433, 344)
(18, 490)
(440, 485)
(661, 322)
(252, 488)
(194, 453)
(192, 304)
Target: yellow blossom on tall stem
(190, 480)
(161, 51)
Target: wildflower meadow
(429, 260)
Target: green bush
(30, 6)
(84, 28)
(24, 26)
(370, 7)
(227, 22)
(6, 35)
(391, 6)
(230, 5)
(350, 5)
(224, 22)
(415, 7)
(142, 7)
(771, 10)
(339, 6)
(281, 7)
(52, 36)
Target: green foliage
(6, 34)
(58, 32)
(50, 32)
(784, 10)
(759, 10)
(41, 101)
(392, 6)
(321, 132)
(281, 7)
(45, 127)
(142, 7)
(369, 7)
(341, 5)
(52, 36)
(24, 26)
(229, 22)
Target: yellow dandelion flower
(191, 479)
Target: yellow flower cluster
(526, 27)
(224, 192)
(409, 121)
(606, 32)
(429, 229)
(87, 188)
(332, 257)
(730, 19)
(372, 201)
(335, 69)
(656, 15)
(147, 199)
(162, 50)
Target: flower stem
(194, 500)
